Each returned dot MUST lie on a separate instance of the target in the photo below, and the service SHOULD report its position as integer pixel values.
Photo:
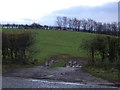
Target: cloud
(105, 13)
(42, 10)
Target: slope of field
(52, 42)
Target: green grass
(6, 67)
(53, 42)
(59, 63)
(110, 74)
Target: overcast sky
(46, 11)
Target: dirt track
(70, 74)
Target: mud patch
(71, 61)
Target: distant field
(53, 42)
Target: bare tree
(84, 25)
(99, 27)
(91, 25)
(114, 28)
(70, 23)
(59, 21)
(65, 22)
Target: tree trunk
(103, 56)
(93, 56)
(11, 53)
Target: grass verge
(110, 74)
(6, 67)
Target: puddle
(70, 83)
(55, 82)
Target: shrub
(108, 47)
(14, 46)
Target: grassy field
(52, 42)
(49, 43)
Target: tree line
(26, 26)
(89, 25)
(73, 24)
(21, 26)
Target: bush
(14, 46)
(108, 47)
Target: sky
(45, 12)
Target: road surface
(17, 82)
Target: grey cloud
(105, 13)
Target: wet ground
(15, 82)
(71, 74)
(31, 77)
